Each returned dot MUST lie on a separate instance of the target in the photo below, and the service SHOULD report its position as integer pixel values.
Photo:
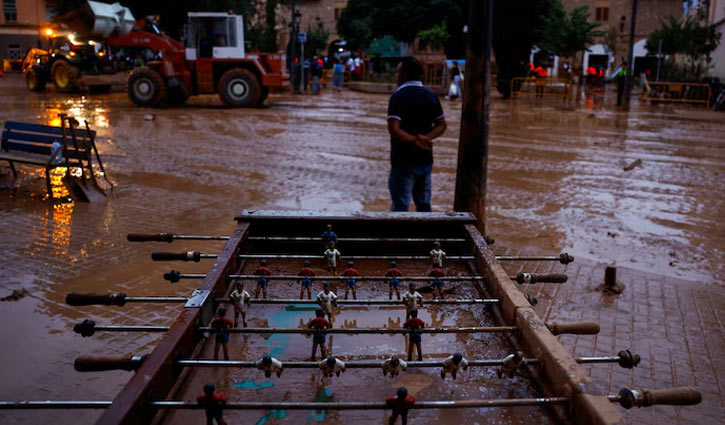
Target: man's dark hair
(411, 69)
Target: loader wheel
(34, 81)
(146, 87)
(64, 75)
(239, 87)
(176, 96)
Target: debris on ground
(149, 117)
(15, 295)
(633, 164)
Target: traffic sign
(302, 37)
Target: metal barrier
(676, 92)
(553, 87)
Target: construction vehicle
(213, 59)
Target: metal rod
(288, 405)
(121, 328)
(358, 278)
(190, 405)
(346, 257)
(366, 330)
(300, 301)
(372, 364)
(310, 239)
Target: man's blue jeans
(405, 182)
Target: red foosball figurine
(221, 325)
(262, 271)
(438, 273)
(394, 273)
(400, 403)
(414, 324)
(350, 283)
(319, 324)
(213, 403)
(306, 282)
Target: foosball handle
(173, 276)
(679, 396)
(531, 278)
(85, 328)
(75, 299)
(97, 364)
(576, 328)
(176, 256)
(150, 237)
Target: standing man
(332, 256)
(263, 272)
(415, 118)
(411, 299)
(350, 283)
(415, 325)
(306, 282)
(319, 324)
(221, 326)
(241, 300)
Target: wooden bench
(31, 144)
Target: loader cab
(214, 36)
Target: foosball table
(412, 313)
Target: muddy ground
(556, 183)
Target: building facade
(714, 12)
(614, 17)
(322, 14)
(21, 27)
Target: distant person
(316, 73)
(337, 73)
(415, 119)
(456, 79)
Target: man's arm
(403, 136)
(438, 129)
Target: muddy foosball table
(482, 315)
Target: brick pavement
(676, 326)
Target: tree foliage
(435, 36)
(316, 41)
(566, 34)
(362, 21)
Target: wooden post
(629, 77)
(473, 140)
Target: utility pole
(630, 61)
(473, 140)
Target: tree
(435, 36)
(689, 37)
(566, 34)
(316, 41)
(362, 21)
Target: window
(14, 51)
(11, 10)
(601, 11)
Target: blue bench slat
(44, 139)
(45, 129)
(42, 149)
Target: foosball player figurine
(241, 300)
(452, 364)
(327, 300)
(394, 273)
(319, 324)
(393, 366)
(332, 255)
(328, 236)
(437, 273)
(411, 298)
(332, 366)
(350, 283)
(511, 364)
(213, 403)
(269, 365)
(400, 403)
(415, 325)
(306, 282)
(262, 271)
(221, 325)
(437, 255)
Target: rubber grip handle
(680, 396)
(176, 256)
(76, 299)
(575, 328)
(97, 364)
(522, 278)
(150, 237)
